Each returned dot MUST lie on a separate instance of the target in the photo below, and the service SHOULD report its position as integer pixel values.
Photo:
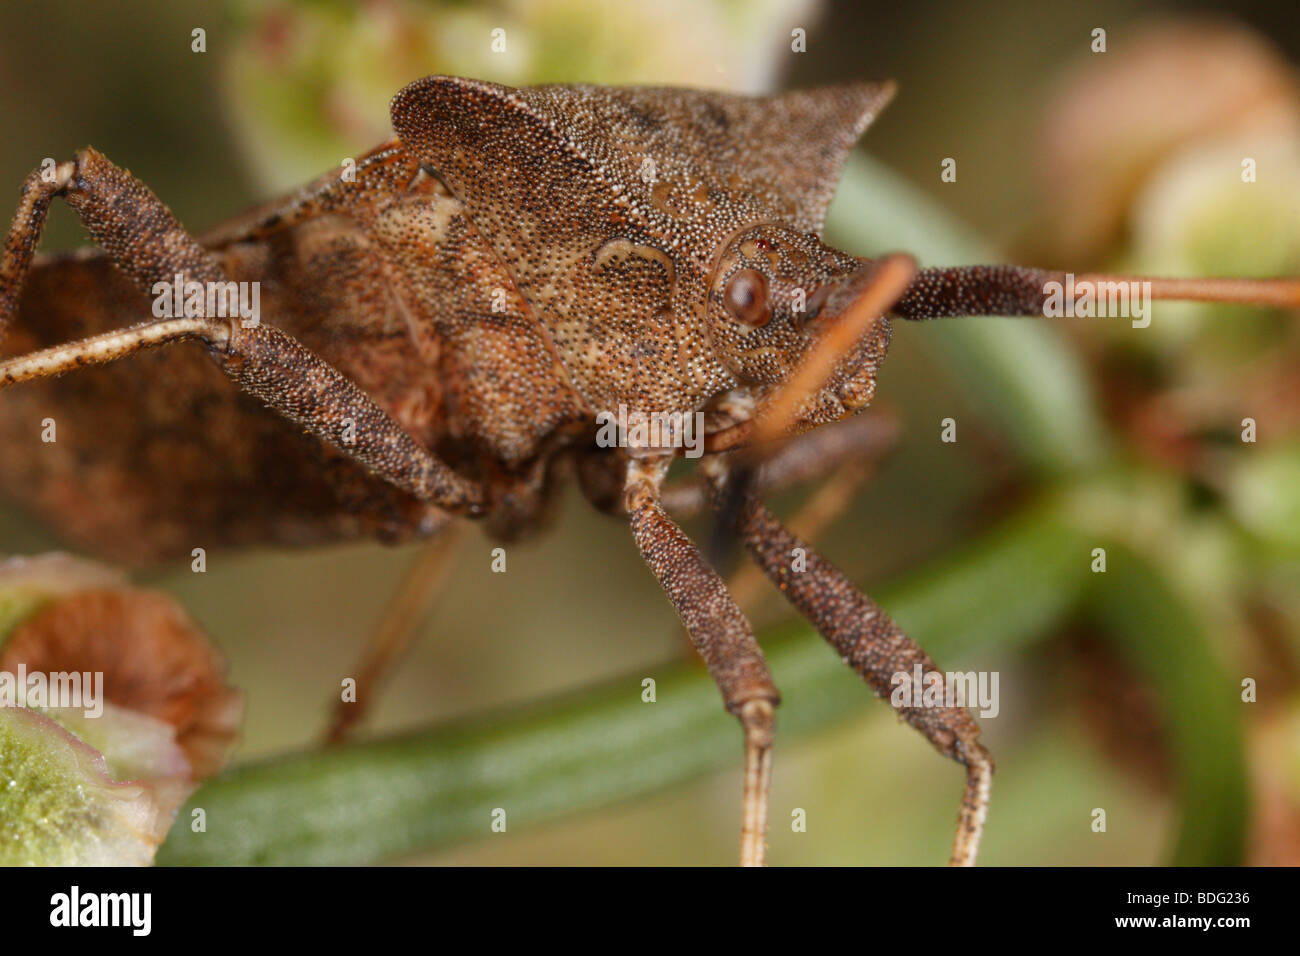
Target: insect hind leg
(38, 190)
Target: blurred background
(1067, 158)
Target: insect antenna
(943, 293)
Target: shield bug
(443, 332)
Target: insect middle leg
(146, 242)
(397, 628)
(721, 635)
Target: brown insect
(446, 324)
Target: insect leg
(826, 504)
(25, 232)
(863, 439)
(147, 243)
(721, 635)
(873, 645)
(396, 629)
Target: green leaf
(1201, 705)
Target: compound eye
(745, 298)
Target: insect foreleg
(863, 440)
(720, 633)
(873, 645)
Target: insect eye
(745, 298)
